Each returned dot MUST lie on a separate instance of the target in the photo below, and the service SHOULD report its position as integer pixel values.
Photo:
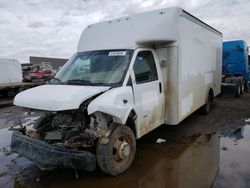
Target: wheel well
(211, 94)
(131, 123)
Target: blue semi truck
(235, 66)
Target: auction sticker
(117, 53)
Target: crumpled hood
(56, 97)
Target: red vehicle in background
(39, 73)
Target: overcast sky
(52, 28)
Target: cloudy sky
(52, 27)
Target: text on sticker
(117, 53)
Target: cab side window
(144, 67)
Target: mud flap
(48, 157)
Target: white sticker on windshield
(117, 53)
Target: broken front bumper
(48, 157)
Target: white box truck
(129, 76)
(11, 78)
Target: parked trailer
(11, 78)
(11, 71)
(11, 89)
(125, 80)
(235, 68)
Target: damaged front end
(47, 156)
(63, 139)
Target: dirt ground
(193, 154)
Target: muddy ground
(203, 151)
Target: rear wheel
(241, 88)
(206, 108)
(117, 155)
(246, 86)
(237, 90)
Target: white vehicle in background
(11, 78)
(129, 76)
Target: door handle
(160, 87)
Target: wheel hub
(124, 150)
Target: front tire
(116, 156)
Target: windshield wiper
(79, 82)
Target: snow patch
(247, 120)
(160, 140)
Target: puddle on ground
(234, 159)
(11, 164)
(196, 160)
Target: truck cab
(132, 81)
(236, 65)
(94, 91)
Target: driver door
(148, 92)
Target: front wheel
(116, 156)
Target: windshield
(104, 67)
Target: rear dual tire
(246, 86)
(242, 88)
(238, 90)
(207, 106)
